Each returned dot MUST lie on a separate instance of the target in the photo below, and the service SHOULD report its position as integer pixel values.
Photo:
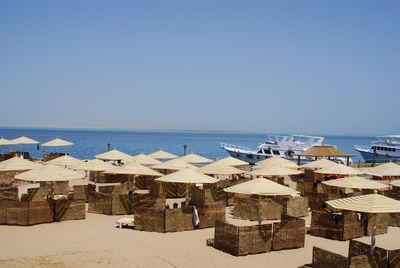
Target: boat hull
(371, 157)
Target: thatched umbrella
(142, 159)
(231, 161)
(217, 168)
(372, 203)
(339, 169)
(356, 183)
(187, 176)
(194, 159)
(65, 160)
(384, 170)
(113, 155)
(57, 143)
(275, 171)
(174, 164)
(160, 154)
(318, 164)
(133, 169)
(16, 163)
(24, 140)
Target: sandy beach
(97, 242)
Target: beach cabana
(162, 155)
(250, 239)
(371, 204)
(94, 167)
(275, 172)
(324, 151)
(194, 159)
(142, 159)
(113, 155)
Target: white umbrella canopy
(113, 155)
(160, 154)
(174, 164)
(231, 161)
(356, 183)
(217, 168)
(133, 169)
(261, 186)
(5, 142)
(57, 143)
(189, 176)
(24, 140)
(194, 159)
(277, 161)
(142, 159)
(371, 203)
(272, 171)
(339, 169)
(16, 163)
(64, 160)
(318, 164)
(49, 173)
(395, 183)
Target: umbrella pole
(373, 238)
(259, 210)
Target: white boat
(384, 149)
(283, 146)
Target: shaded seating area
(244, 240)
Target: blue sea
(89, 142)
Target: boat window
(275, 152)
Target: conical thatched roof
(160, 154)
(133, 169)
(261, 186)
(395, 183)
(372, 203)
(92, 165)
(356, 183)
(16, 163)
(277, 161)
(384, 170)
(194, 159)
(324, 151)
(217, 168)
(57, 143)
(49, 173)
(231, 161)
(318, 164)
(142, 159)
(64, 160)
(271, 171)
(187, 176)
(113, 155)
(339, 169)
(24, 140)
(174, 164)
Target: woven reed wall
(316, 200)
(394, 219)
(247, 207)
(7, 178)
(325, 259)
(99, 203)
(208, 214)
(296, 207)
(80, 192)
(149, 219)
(9, 193)
(379, 259)
(289, 233)
(381, 221)
(69, 209)
(207, 196)
(178, 219)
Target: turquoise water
(88, 143)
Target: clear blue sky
(330, 67)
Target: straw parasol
(160, 154)
(24, 140)
(133, 169)
(16, 163)
(217, 168)
(142, 159)
(57, 143)
(188, 176)
(92, 165)
(318, 164)
(275, 171)
(49, 173)
(174, 164)
(65, 160)
(113, 155)
(231, 161)
(384, 170)
(277, 161)
(261, 186)
(395, 183)
(339, 169)
(356, 183)
(372, 203)
(194, 159)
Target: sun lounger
(125, 222)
